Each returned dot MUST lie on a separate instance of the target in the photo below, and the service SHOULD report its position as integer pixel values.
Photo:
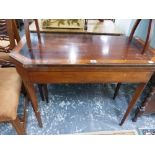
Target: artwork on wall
(62, 23)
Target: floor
(81, 109)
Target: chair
(42, 87)
(10, 88)
(145, 46)
(9, 37)
(10, 82)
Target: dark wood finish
(27, 32)
(31, 91)
(43, 92)
(138, 92)
(80, 58)
(148, 37)
(37, 28)
(134, 29)
(19, 127)
(116, 90)
(147, 107)
(20, 123)
(15, 31)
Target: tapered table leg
(41, 92)
(32, 94)
(116, 90)
(135, 97)
(46, 92)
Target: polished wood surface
(81, 49)
(83, 58)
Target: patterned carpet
(83, 108)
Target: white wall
(124, 25)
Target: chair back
(148, 36)
(9, 35)
(27, 32)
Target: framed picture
(62, 23)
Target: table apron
(88, 76)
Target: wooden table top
(93, 27)
(81, 49)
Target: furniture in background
(10, 88)
(91, 26)
(71, 58)
(148, 105)
(145, 44)
(100, 20)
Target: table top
(93, 27)
(82, 50)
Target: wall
(123, 25)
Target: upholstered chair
(10, 89)
(9, 38)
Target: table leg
(135, 97)
(116, 90)
(32, 94)
(46, 92)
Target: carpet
(142, 131)
(82, 108)
(121, 132)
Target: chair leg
(23, 120)
(19, 127)
(27, 33)
(37, 29)
(116, 90)
(148, 37)
(20, 123)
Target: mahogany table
(82, 58)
